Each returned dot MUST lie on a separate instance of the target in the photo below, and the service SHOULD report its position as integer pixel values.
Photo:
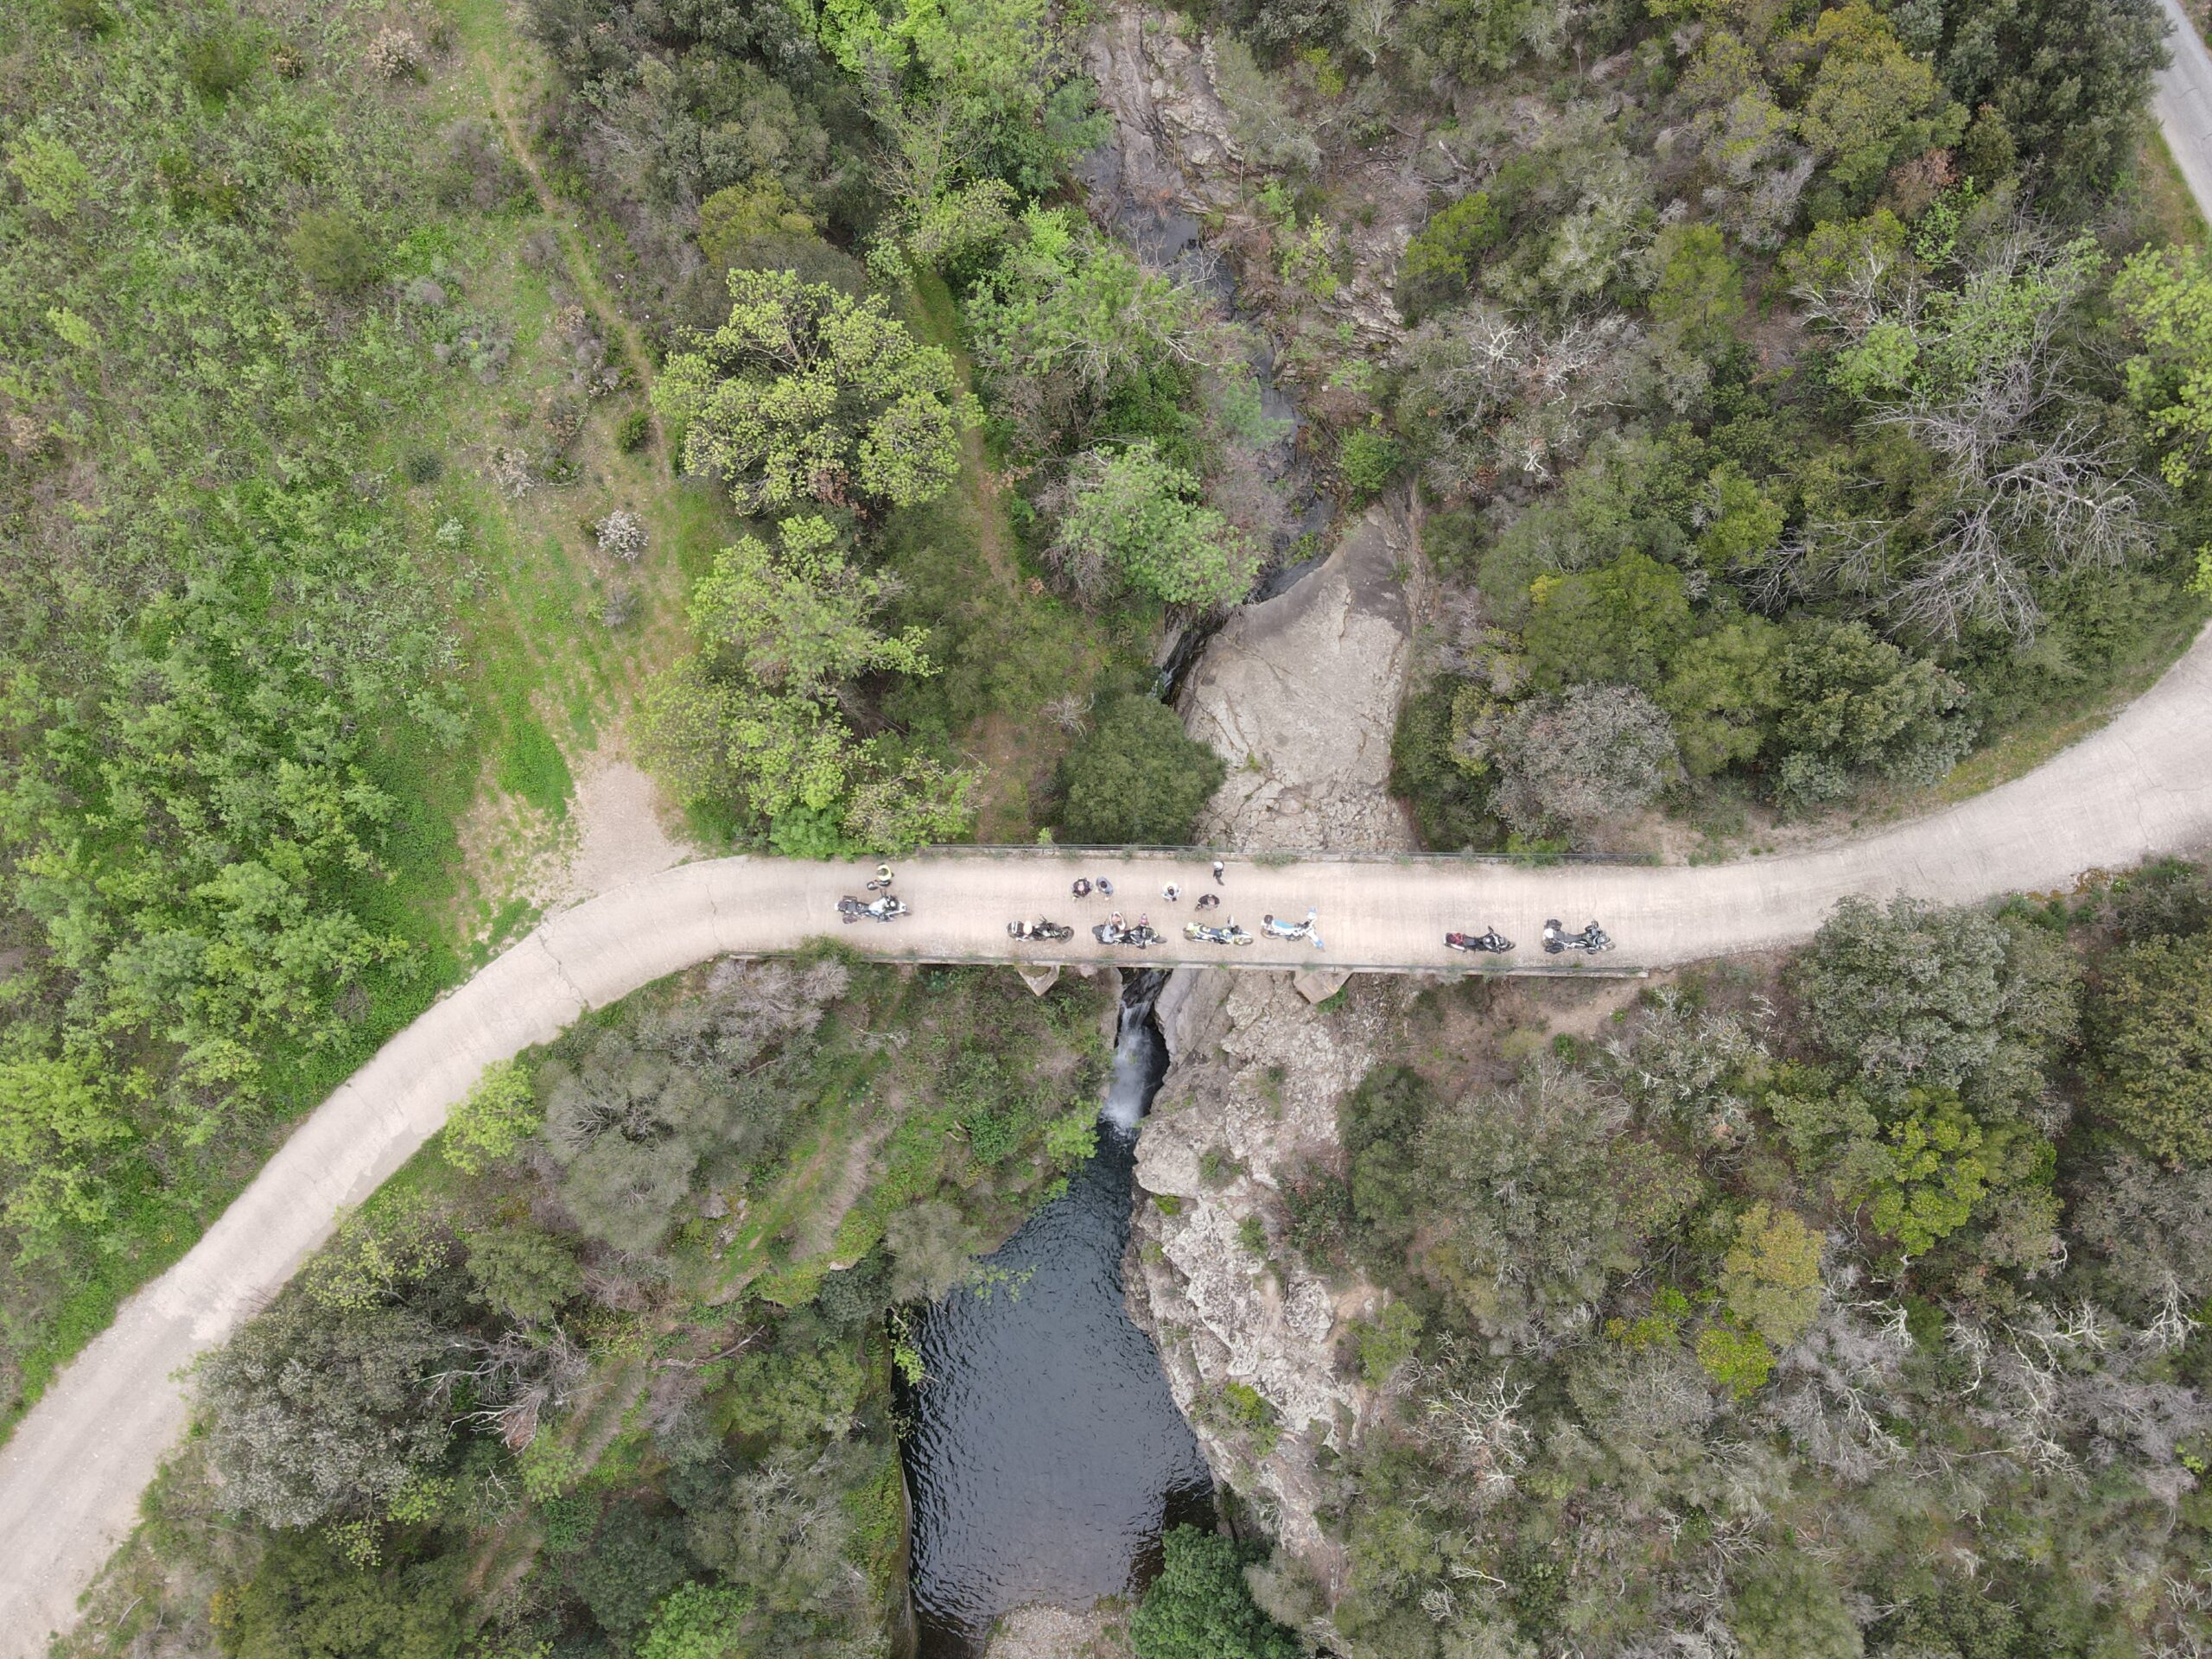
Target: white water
(1136, 1057)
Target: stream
(1045, 1455)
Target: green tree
(1770, 1277)
(2066, 81)
(1940, 998)
(806, 393)
(2165, 297)
(59, 1124)
(1200, 1608)
(1723, 692)
(1852, 703)
(316, 1413)
(1136, 777)
(1439, 260)
(1699, 295)
(1067, 315)
(697, 1621)
(306, 1600)
(2151, 1035)
(498, 1114)
(1132, 514)
(523, 1271)
(1871, 103)
(1787, 1608)
(1620, 624)
(797, 620)
(1738, 1360)
(636, 1561)
(1571, 763)
(1935, 1172)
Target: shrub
(1368, 461)
(500, 1113)
(1199, 1607)
(634, 431)
(1136, 776)
(332, 253)
(217, 64)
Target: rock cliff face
(1173, 152)
(1251, 1094)
(1299, 694)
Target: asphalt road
(70, 1476)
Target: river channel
(1045, 1456)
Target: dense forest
(1802, 410)
(1848, 1305)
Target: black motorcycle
(886, 909)
(1050, 932)
(1493, 942)
(1593, 939)
(1140, 937)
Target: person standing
(1219, 875)
(1171, 893)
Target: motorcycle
(1141, 935)
(1492, 942)
(886, 909)
(1275, 929)
(1040, 929)
(1199, 933)
(1593, 939)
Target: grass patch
(532, 767)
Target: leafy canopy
(1136, 777)
(1132, 513)
(1200, 1608)
(806, 393)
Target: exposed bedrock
(1299, 693)
(1249, 1100)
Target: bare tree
(1969, 375)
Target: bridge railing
(1074, 852)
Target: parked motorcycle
(1305, 930)
(886, 909)
(1229, 934)
(1492, 942)
(1593, 939)
(1050, 932)
(1141, 935)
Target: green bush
(1200, 1608)
(1368, 461)
(217, 63)
(1136, 777)
(331, 253)
(634, 431)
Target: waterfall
(1140, 1054)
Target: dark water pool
(1046, 1455)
